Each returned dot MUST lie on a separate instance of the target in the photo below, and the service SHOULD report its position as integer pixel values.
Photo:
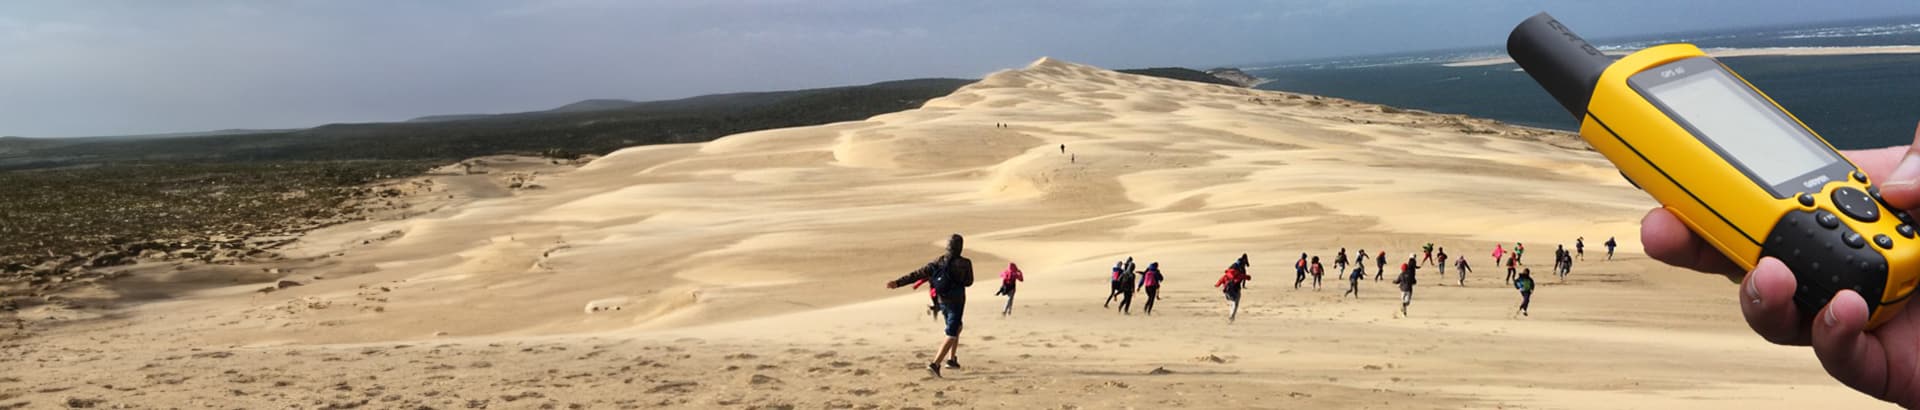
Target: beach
(748, 272)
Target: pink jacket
(1012, 274)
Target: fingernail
(1753, 290)
(1907, 175)
(1830, 319)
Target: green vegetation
(1178, 73)
(106, 215)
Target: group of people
(948, 276)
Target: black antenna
(1563, 63)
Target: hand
(891, 285)
(1881, 362)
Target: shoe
(933, 369)
(953, 363)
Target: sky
(83, 68)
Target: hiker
(1230, 284)
(1442, 265)
(1498, 253)
(1525, 285)
(1113, 286)
(1460, 265)
(1580, 247)
(1380, 265)
(1610, 244)
(1127, 281)
(1300, 271)
(1513, 265)
(1518, 250)
(1340, 261)
(1245, 264)
(1406, 281)
(1063, 148)
(1008, 278)
(1150, 281)
(1566, 266)
(1353, 280)
(1428, 251)
(1316, 270)
(1361, 258)
(949, 276)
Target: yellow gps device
(1731, 164)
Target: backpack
(941, 278)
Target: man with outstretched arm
(949, 275)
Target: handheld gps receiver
(1731, 164)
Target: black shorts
(953, 308)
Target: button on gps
(1853, 240)
(1826, 219)
(1856, 204)
(1905, 230)
(1883, 241)
(1806, 199)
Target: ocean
(1854, 101)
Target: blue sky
(74, 68)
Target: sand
(747, 273)
(1739, 52)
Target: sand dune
(746, 273)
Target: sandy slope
(746, 272)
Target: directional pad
(1856, 204)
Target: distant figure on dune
(1565, 265)
(1063, 148)
(1150, 281)
(1380, 260)
(1316, 270)
(1559, 254)
(1360, 258)
(1442, 264)
(1610, 244)
(1353, 280)
(1460, 265)
(1519, 249)
(1580, 247)
(1525, 285)
(949, 276)
(1230, 284)
(1300, 271)
(1244, 264)
(1406, 281)
(1128, 278)
(1498, 253)
(1428, 251)
(1513, 266)
(1009, 280)
(1340, 261)
(1113, 287)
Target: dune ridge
(745, 272)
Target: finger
(1766, 299)
(1901, 183)
(1668, 240)
(1851, 355)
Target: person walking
(949, 276)
(1525, 285)
(1150, 281)
(1299, 271)
(1610, 244)
(1009, 280)
(1353, 280)
(1461, 266)
(1406, 281)
(1316, 270)
(1230, 284)
(1380, 265)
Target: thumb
(1902, 187)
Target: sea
(1854, 101)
